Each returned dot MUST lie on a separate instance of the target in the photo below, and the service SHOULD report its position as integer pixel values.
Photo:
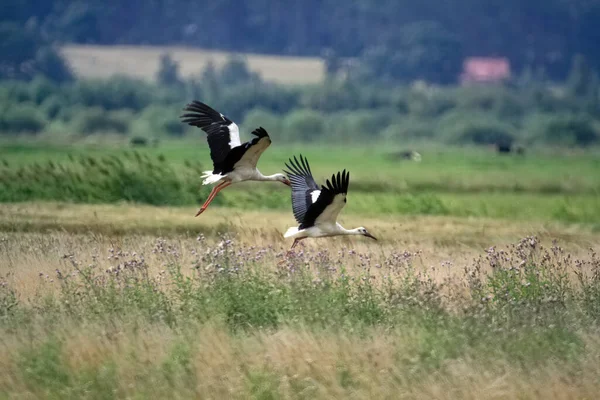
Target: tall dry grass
(102, 309)
(37, 235)
(208, 362)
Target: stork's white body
(316, 209)
(322, 230)
(233, 161)
(240, 174)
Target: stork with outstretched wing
(316, 208)
(233, 161)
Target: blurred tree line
(25, 53)
(425, 38)
(371, 96)
(339, 110)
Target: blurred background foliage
(392, 69)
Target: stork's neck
(261, 177)
(344, 231)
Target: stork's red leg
(296, 241)
(212, 195)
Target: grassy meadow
(484, 283)
(463, 182)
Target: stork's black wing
(305, 190)
(332, 199)
(222, 133)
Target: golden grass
(293, 363)
(267, 226)
(287, 362)
(37, 236)
(91, 61)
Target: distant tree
(525, 78)
(194, 88)
(419, 51)
(260, 117)
(168, 71)
(332, 61)
(210, 81)
(81, 22)
(18, 47)
(50, 63)
(26, 54)
(563, 129)
(236, 71)
(21, 118)
(304, 125)
(587, 35)
(582, 80)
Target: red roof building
(485, 69)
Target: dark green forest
(532, 34)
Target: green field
(463, 182)
(484, 283)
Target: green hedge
(337, 110)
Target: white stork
(233, 162)
(316, 209)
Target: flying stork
(233, 162)
(316, 209)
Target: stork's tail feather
(291, 232)
(210, 178)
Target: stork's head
(364, 232)
(283, 179)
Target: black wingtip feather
(339, 182)
(295, 167)
(260, 132)
(201, 115)
(197, 107)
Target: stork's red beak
(287, 182)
